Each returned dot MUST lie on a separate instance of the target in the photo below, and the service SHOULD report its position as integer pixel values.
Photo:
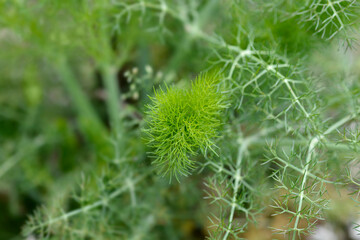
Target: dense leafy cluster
(183, 121)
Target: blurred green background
(75, 76)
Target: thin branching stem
(309, 155)
(101, 202)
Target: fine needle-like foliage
(264, 144)
(329, 17)
(182, 122)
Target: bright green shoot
(181, 122)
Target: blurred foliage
(77, 75)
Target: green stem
(309, 155)
(89, 207)
(79, 98)
(89, 122)
(113, 99)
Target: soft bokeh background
(75, 76)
